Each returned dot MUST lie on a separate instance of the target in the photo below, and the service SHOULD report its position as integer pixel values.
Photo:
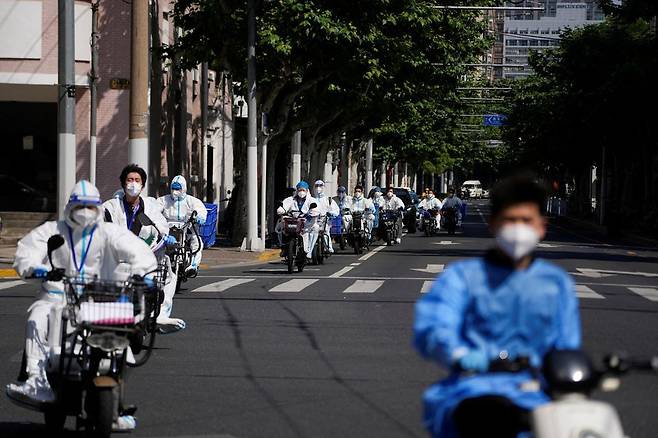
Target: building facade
(191, 114)
(525, 32)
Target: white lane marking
(427, 286)
(445, 242)
(279, 270)
(371, 253)
(223, 285)
(10, 284)
(296, 285)
(547, 245)
(364, 287)
(340, 273)
(600, 273)
(430, 269)
(583, 291)
(355, 264)
(650, 293)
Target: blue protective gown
(478, 304)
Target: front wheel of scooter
(104, 415)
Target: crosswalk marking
(583, 291)
(342, 272)
(427, 286)
(223, 285)
(650, 293)
(296, 285)
(10, 284)
(364, 287)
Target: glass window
(534, 43)
(523, 42)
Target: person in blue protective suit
(508, 305)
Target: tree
(333, 66)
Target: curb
(269, 255)
(8, 273)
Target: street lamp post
(66, 148)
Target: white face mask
(341, 195)
(319, 190)
(301, 194)
(84, 217)
(517, 240)
(389, 195)
(358, 195)
(133, 189)
(377, 195)
(430, 196)
(177, 194)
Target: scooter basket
(292, 225)
(104, 303)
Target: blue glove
(170, 240)
(474, 360)
(39, 272)
(200, 220)
(149, 282)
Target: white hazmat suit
(177, 208)
(92, 248)
(120, 212)
(328, 210)
(310, 234)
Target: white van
(472, 189)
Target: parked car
(472, 189)
(410, 199)
(18, 196)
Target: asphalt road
(328, 352)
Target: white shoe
(398, 240)
(170, 325)
(35, 389)
(309, 256)
(331, 250)
(124, 423)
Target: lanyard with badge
(85, 251)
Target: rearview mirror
(313, 205)
(54, 242)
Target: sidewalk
(595, 232)
(215, 257)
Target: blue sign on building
(494, 119)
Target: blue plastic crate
(208, 231)
(337, 225)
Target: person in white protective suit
(91, 248)
(328, 210)
(377, 198)
(301, 202)
(142, 215)
(431, 202)
(178, 207)
(362, 204)
(393, 203)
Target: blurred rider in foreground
(505, 305)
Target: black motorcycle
(90, 338)
(321, 250)
(358, 235)
(429, 221)
(294, 223)
(181, 254)
(388, 226)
